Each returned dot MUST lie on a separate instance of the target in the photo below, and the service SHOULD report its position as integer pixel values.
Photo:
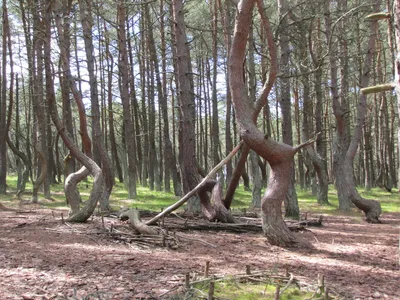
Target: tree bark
(260, 103)
(170, 160)
(344, 165)
(39, 107)
(189, 175)
(280, 156)
(98, 185)
(110, 64)
(3, 103)
(124, 90)
(71, 182)
(291, 203)
(100, 154)
(397, 79)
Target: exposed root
(371, 208)
(136, 223)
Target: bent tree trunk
(41, 177)
(344, 163)
(280, 156)
(261, 102)
(98, 183)
(72, 194)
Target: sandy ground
(41, 258)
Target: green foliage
(235, 290)
(154, 200)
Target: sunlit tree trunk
(397, 79)
(280, 156)
(100, 154)
(3, 103)
(347, 147)
(124, 90)
(291, 203)
(187, 149)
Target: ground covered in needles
(42, 257)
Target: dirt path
(40, 258)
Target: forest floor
(43, 258)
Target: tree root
(136, 223)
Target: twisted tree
(279, 156)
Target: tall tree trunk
(341, 142)
(124, 90)
(397, 79)
(110, 64)
(3, 103)
(39, 107)
(100, 154)
(280, 156)
(291, 203)
(344, 166)
(170, 160)
(71, 181)
(226, 18)
(98, 184)
(215, 119)
(261, 101)
(70, 163)
(187, 150)
(254, 168)
(317, 155)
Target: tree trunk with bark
(71, 181)
(260, 103)
(124, 90)
(3, 103)
(98, 184)
(100, 154)
(280, 156)
(397, 78)
(291, 204)
(189, 175)
(346, 149)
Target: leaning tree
(279, 156)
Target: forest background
(142, 92)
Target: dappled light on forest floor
(41, 257)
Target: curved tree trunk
(72, 195)
(100, 154)
(40, 179)
(261, 101)
(280, 156)
(98, 184)
(345, 155)
(27, 169)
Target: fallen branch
(197, 240)
(237, 227)
(185, 198)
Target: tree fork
(280, 156)
(200, 186)
(260, 103)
